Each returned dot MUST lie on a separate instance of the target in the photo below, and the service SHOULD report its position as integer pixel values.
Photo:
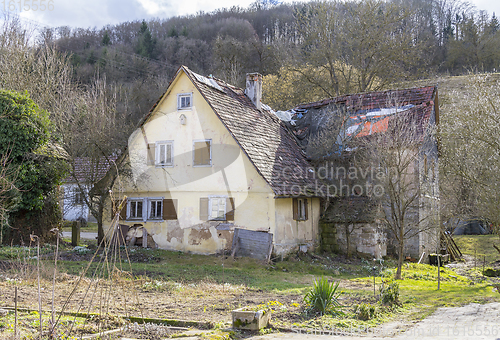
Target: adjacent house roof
(88, 170)
(262, 136)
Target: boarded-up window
(151, 154)
(202, 153)
(300, 209)
(169, 209)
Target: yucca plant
(323, 296)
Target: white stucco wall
(72, 211)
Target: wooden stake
(439, 270)
(15, 314)
(39, 291)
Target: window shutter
(206, 153)
(123, 212)
(204, 208)
(230, 209)
(306, 216)
(169, 209)
(295, 206)
(151, 154)
(202, 153)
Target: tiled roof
(262, 136)
(88, 170)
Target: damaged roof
(365, 113)
(262, 136)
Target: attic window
(184, 101)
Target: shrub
(389, 293)
(491, 272)
(323, 295)
(365, 311)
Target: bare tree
(397, 153)
(355, 46)
(94, 136)
(471, 149)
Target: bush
(389, 293)
(365, 311)
(323, 295)
(491, 272)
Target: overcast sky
(90, 13)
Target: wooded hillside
(327, 48)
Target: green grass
(419, 286)
(480, 246)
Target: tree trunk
(400, 261)
(348, 241)
(100, 230)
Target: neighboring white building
(75, 188)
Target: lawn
(160, 284)
(90, 228)
(479, 246)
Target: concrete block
(251, 320)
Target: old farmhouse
(210, 159)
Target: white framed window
(151, 208)
(217, 207)
(155, 207)
(184, 101)
(202, 152)
(135, 208)
(164, 153)
(78, 197)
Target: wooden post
(475, 256)
(484, 263)
(374, 286)
(75, 234)
(439, 270)
(15, 314)
(144, 238)
(39, 290)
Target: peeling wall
(290, 233)
(365, 238)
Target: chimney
(254, 88)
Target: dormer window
(184, 101)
